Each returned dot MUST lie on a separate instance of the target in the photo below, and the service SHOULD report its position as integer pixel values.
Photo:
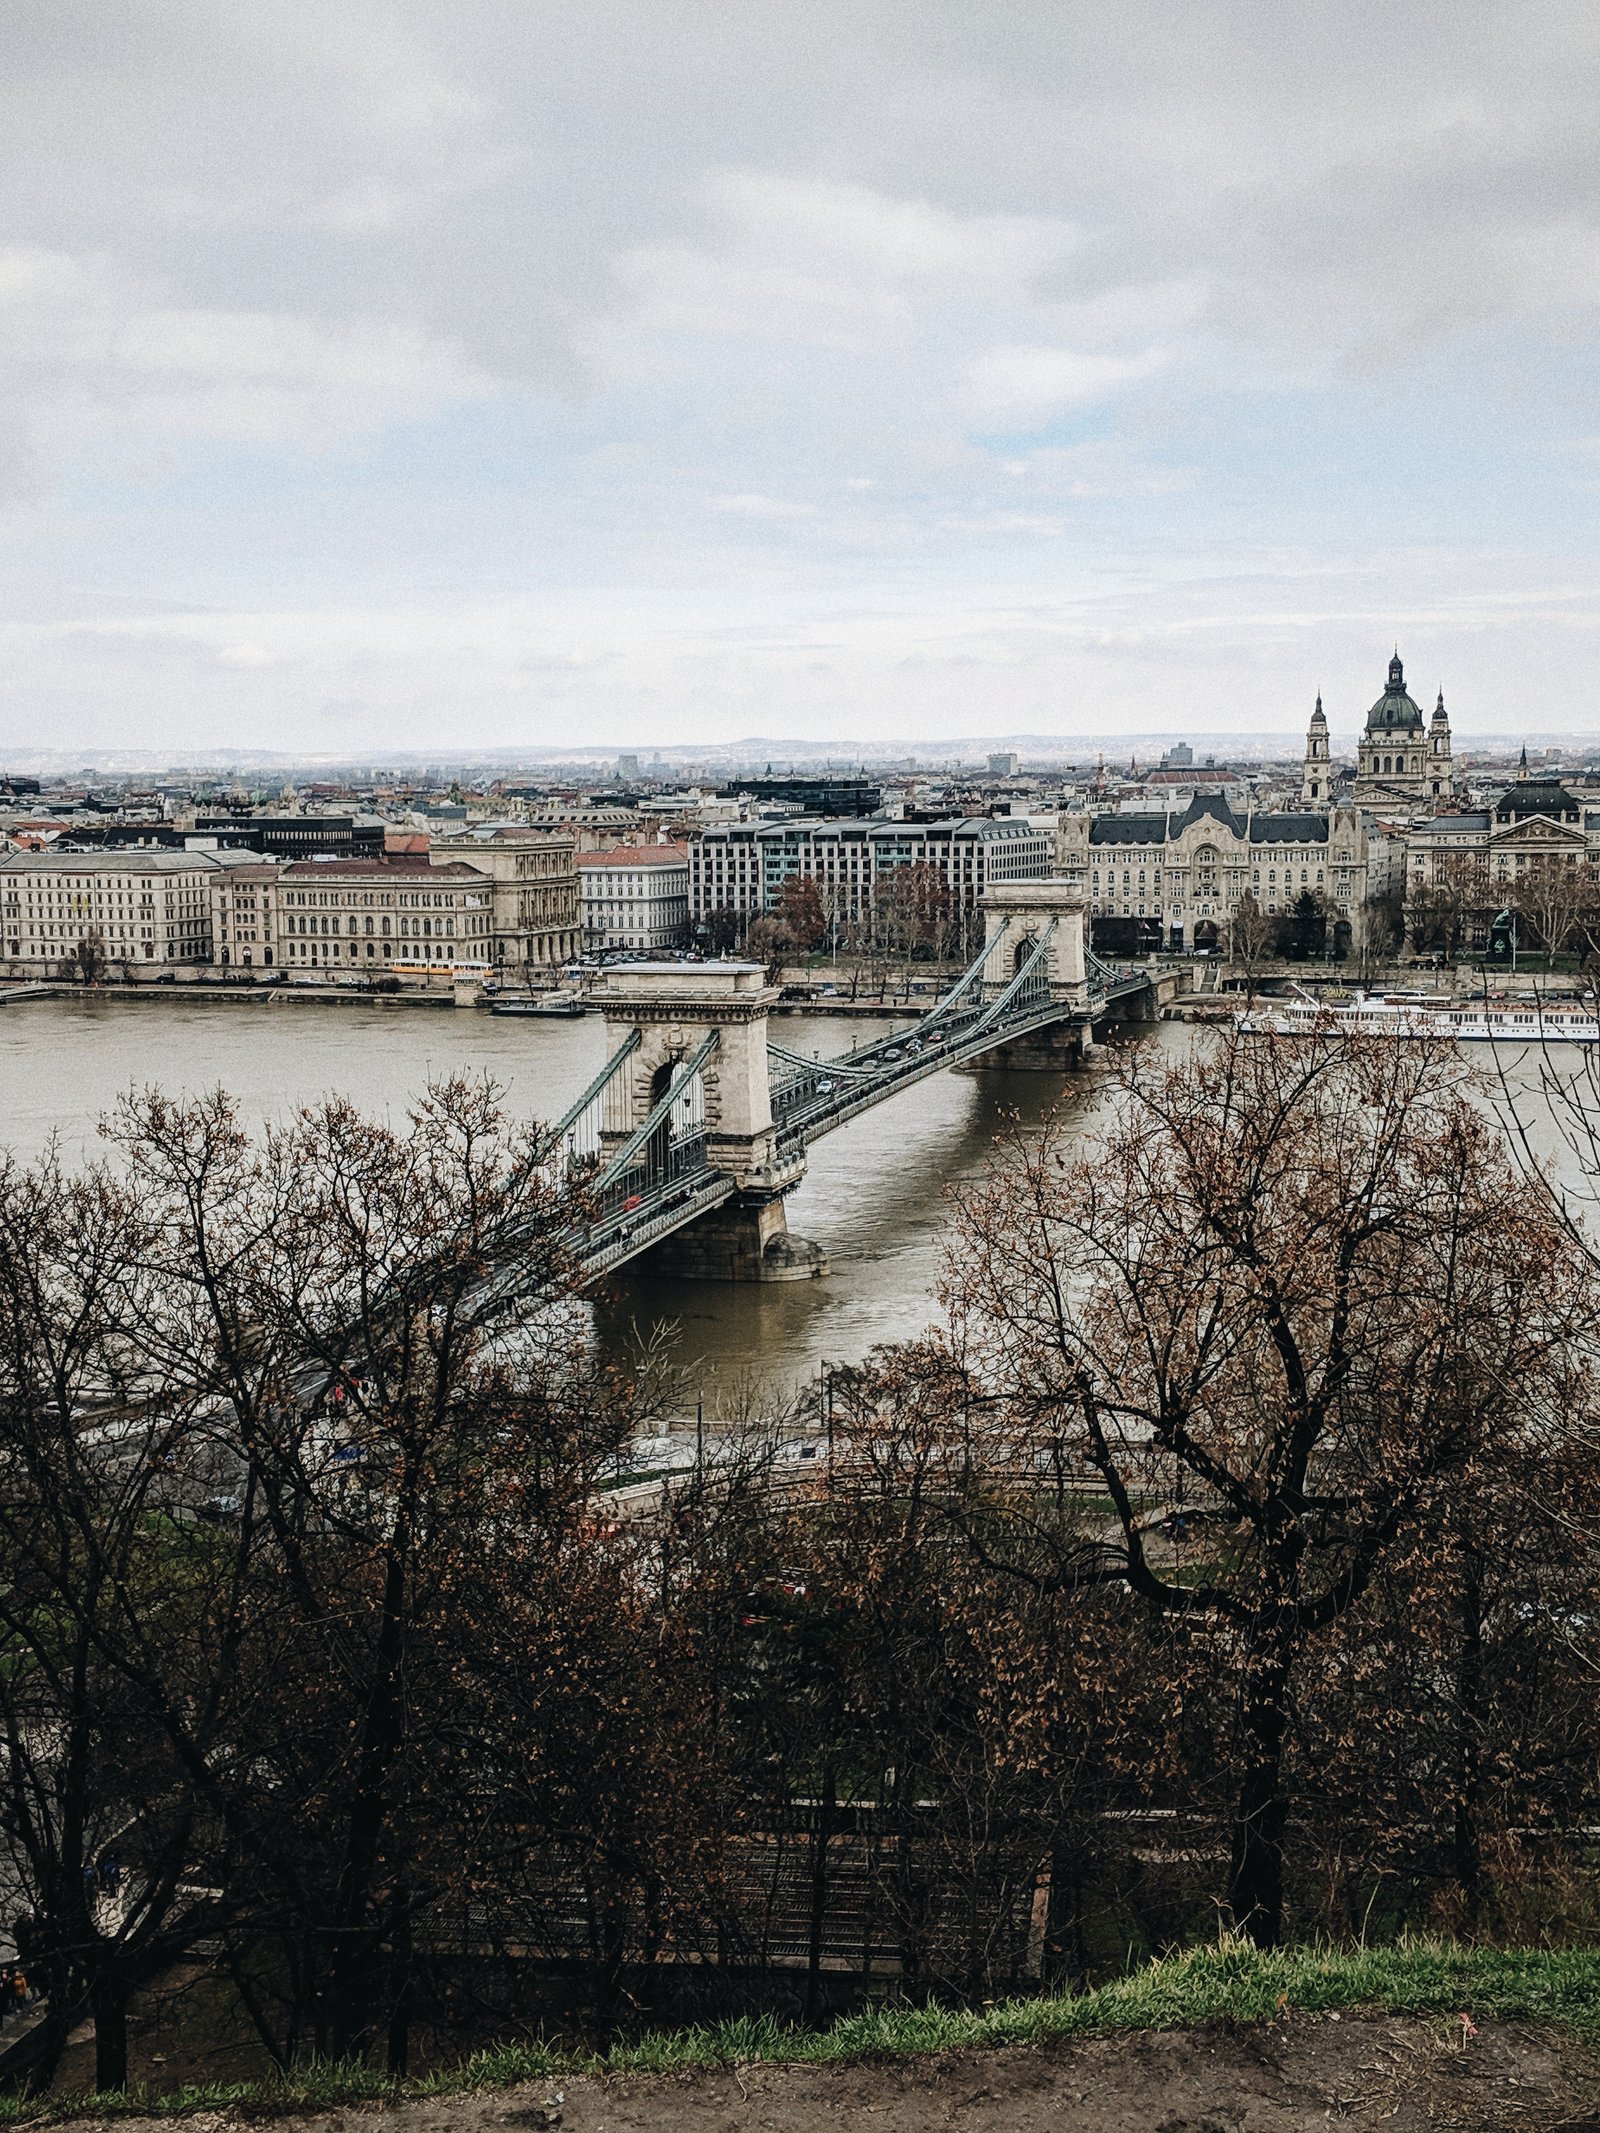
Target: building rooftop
(122, 859)
(540, 833)
(1209, 807)
(1456, 825)
(1395, 712)
(637, 855)
(1128, 829)
(1212, 806)
(407, 867)
(1289, 829)
(1536, 796)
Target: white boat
(550, 1003)
(1403, 1014)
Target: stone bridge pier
(674, 1007)
(1018, 913)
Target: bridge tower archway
(1018, 914)
(670, 1010)
(658, 1147)
(1024, 918)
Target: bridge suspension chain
(862, 1058)
(1026, 982)
(972, 975)
(829, 1088)
(576, 1133)
(685, 1083)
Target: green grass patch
(1226, 1982)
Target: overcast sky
(393, 374)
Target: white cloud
(84, 345)
(783, 256)
(1026, 386)
(781, 508)
(876, 237)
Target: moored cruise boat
(1403, 1014)
(549, 1003)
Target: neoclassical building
(1536, 848)
(1401, 762)
(1179, 877)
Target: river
(873, 1196)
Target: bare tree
(385, 1320)
(1553, 896)
(767, 941)
(1440, 909)
(1251, 934)
(725, 929)
(119, 1608)
(801, 914)
(1294, 1284)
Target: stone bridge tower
(1018, 913)
(674, 1007)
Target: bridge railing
(1113, 977)
(797, 1081)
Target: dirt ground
(1305, 2072)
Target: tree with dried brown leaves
(1291, 1287)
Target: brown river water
(874, 1196)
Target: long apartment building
(536, 911)
(244, 915)
(742, 866)
(384, 916)
(123, 910)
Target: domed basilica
(1400, 760)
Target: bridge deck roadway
(807, 1122)
(657, 1215)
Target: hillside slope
(1404, 2074)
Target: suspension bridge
(697, 1126)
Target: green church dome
(1394, 712)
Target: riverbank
(298, 995)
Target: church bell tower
(1441, 777)
(1316, 781)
